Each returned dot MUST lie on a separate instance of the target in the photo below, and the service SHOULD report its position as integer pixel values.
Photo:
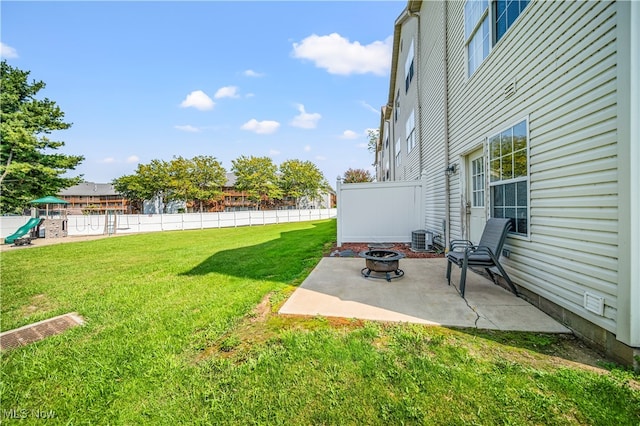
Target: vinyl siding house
(529, 110)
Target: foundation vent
(593, 303)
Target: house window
(410, 132)
(408, 69)
(506, 13)
(509, 176)
(484, 26)
(397, 108)
(477, 180)
(398, 152)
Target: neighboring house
(529, 110)
(93, 198)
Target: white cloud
(274, 152)
(7, 51)
(370, 108)
(108, 160)
(187, 128)
(227, 92)
(133, 159)
(252, 73)
(338, 55)
(321, 157)
(362, 145)
(349, 134)
(305, 120)
(261, 127)
(198, 100)
(307, 148)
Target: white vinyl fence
(78, 225)
(380, 212)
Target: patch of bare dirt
(347, 248)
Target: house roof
(89, 189)
(231, 180)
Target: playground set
(47, 223)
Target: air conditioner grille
(421, 240)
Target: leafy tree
(149, 181)
(357, 176)
(131, 187)
(199, 179)
(28, 168)
(300, 179)
(374, 136)
(257, 176)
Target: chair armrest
(482, 250)
(460, 245)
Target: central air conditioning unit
(421, 240)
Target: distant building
(93, 198)
(98, 198)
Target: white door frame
(475, 193)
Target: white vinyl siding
(431, 80)
(559, 63)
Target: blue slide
(23, 230)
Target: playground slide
(23, 230)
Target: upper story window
(506, 13)
(408, 68)
(397, 107)
(485, 22)
(397, 152)
(411, 132)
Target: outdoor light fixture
(450, 170)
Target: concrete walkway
(335, 288)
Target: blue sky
(153, 80)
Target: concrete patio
(335, 288)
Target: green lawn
(176, 334)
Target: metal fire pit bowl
(382, 262)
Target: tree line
(200, 182)
(31, 167)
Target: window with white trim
(408, 69)
(509, 176)
(477, 180)
(410, 129)
(398, 152)
(485, 22)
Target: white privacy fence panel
(79, 225)
(380, 212)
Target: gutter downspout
(447, 203)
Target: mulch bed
(353, 249)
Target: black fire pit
(382, 263)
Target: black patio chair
(486, 254)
